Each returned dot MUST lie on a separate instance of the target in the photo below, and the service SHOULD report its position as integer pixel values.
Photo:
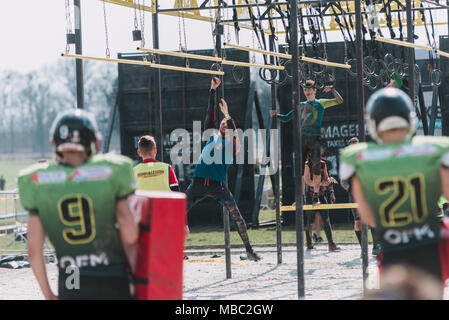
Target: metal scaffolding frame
(294, 44)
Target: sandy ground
(328, 276)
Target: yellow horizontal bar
(145, 63)
(246, 64)
(125, 61)
(403, 43)
(209, 58)
(180, 14)
(213, 260)
(322, 206)
(130, 5)
(181, 54)
(442, 53)
(270, 53)
(186, 69)
(325, 62)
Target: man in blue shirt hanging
(209, 178)
(312, 112)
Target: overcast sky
(32, 32)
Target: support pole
(79, 62)
(411, 52)
(226, 222)
(107, 139)
(155, 22)
(276, 185)
(360, 93)
(297, 140)
(444, 104)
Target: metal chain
(260, 24)
(136, 22)
(184, 28)
(253, 59)
(228, 34)
(212, 31)
(69, 24)
(179, 29)
(108, 52)
(142, 22)
(68, 17)
(324, 31)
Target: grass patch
(10, 169)
(7, 242)
(204, 236)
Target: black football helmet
(390, 108)
(75, 130)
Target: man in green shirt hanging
(397, 183)
(312, 112)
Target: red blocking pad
(160, 248)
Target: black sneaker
(319, 239)
(250, 256)
(309, 247)
(315, 199)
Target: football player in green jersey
(81, 204)
(312, 112)
(397, 183)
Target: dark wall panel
(184, 99)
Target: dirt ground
(327, 276)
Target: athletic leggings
(201, 188)
(326, 223)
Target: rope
(108, 53)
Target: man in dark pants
(209, 178)
(325, 181)
(312, 112)
(2, 183)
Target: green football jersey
(76, 206)
(401, 183)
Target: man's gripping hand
(215, 82)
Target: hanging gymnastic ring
(320, 81)
(238, 73)
(352, 62)
(385, 77)
(435, 77)
(321, 68)
(372, 83)
(331, 79)
(273, 75)
(369, 65)
(303, 77)
(388, 59)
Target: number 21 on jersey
(411, 189)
